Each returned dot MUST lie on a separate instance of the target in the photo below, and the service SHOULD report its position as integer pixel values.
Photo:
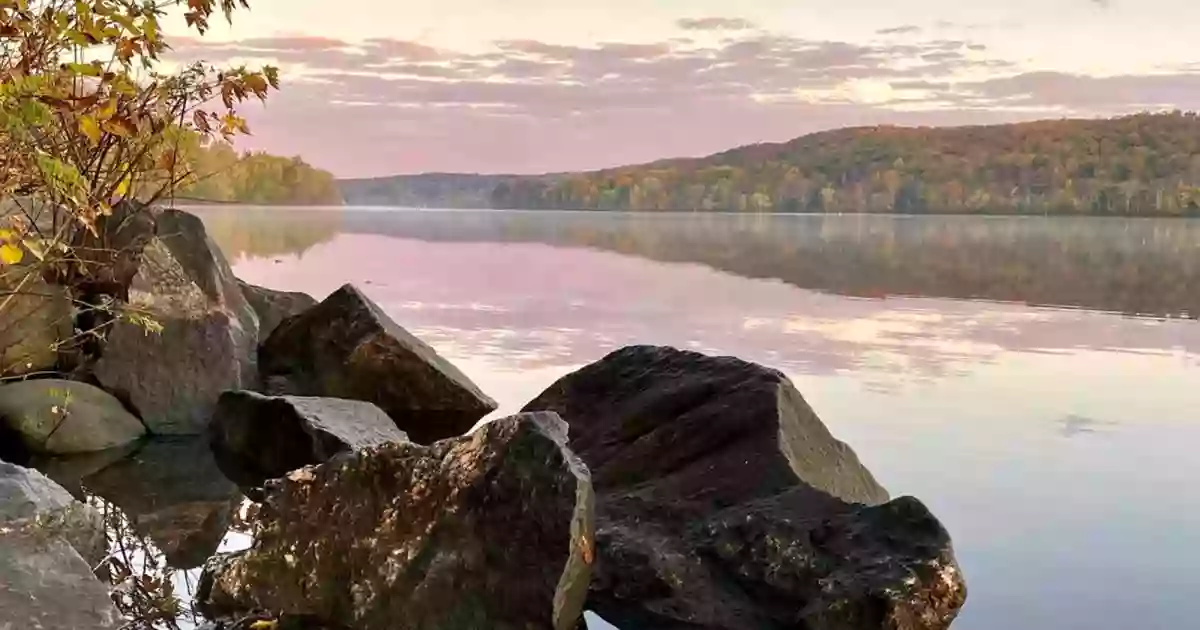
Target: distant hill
(429, 190)
(1140, 165)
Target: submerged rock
(724, 503)
(274, 306)
(209, 331)
(347, 347)
(57, 417)
(44, 583)
(173, 493)
(489, 530)
(32, 503)
(256, 437)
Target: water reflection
(1055, 443)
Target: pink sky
(404, 86)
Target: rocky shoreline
(659, 488)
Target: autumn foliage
(89, 119)
(1141, 165)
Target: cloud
(714, 24)
(908, 29)
(383, 106)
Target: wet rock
(58, 417)
(44, 583)
(32, 503)
(255, 438)
(173, 493)
(274, 306)
(489, 530)
(724, 503)
(347, 347)
(209, 332)
(38, 318)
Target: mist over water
(1054, 441)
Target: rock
(489, 530)
(274, 306)
(33, 324)
(256, 437)
(700, 433)
(58, 417)
(347, 347)
(44, 583)
(724, 503)
(208, 339)
(32, 503)
(889, 567)
(173, 493)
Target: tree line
(222, 174)
(1139, 165)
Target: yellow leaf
(11, 254)
(264, 625)
(108, 109)
(123, 187)
(7, 235)
(90, 128)
(35, 248)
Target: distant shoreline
(200, 203)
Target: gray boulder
(208, 338)
(32, 503)
(58, 417)
(347, 347)
(45, 584)
(274, 306)
(724, 503)
(37, 319)
(489, 530)
(256, 437)
(172, 493)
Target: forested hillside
(1146, 164)
(224, 175)
(428, 190)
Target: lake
(1035, 381)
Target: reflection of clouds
(1073, 425)
(532, 306)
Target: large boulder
(723, 503)
(172, 493)
(698, 433)
(274, 306)
(45, 584)
(347, 347)
(489, 530)
(57, 417)
(35, 320)
(30, 502)
(256, 437)
(209, 331)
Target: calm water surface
(1056, 442)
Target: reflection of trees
(258, 232)
(143, 585)
(1135, 266)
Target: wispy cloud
(383, 105)
(714, 24)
